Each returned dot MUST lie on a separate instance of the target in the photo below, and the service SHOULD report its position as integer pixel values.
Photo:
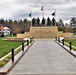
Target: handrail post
(22, 46)
(56, 38)
(27, 42)
(59, 39)
(70, 45)
(63, 42)
(12, 54)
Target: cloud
(19, 9)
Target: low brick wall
(20, 35)
(70, 38)
(66, 34)
(13, 39)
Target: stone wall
(44, 32)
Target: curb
(66, 49)
(5, 70)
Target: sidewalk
(45, 57)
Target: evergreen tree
(53, 21)
(2, 21)
(43, 21)
(10, 21)
(48, 21)
(60, 25)
(38, 21)
(33, 22)
(73, 20)
(25, 20)
(15, 22)
(6, 21)
(20, 22)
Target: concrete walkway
(45, 57)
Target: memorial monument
(43, 29)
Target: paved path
(45, 57)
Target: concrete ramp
(45, 57)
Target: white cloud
(19, 9)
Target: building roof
(1, 28)
(6, 28)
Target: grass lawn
(73, 43)
(5, 46)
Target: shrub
(22, 31)
(1, 64)
(2, 35)
(6, 59)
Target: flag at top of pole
(42, 8)
(53, 14)
(30, 15)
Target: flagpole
(54, 15)
(43, 12)
(42, 9)
(30, 15)
(31, 19)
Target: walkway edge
(66, 49)
(7, 68)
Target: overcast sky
(20, 9)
